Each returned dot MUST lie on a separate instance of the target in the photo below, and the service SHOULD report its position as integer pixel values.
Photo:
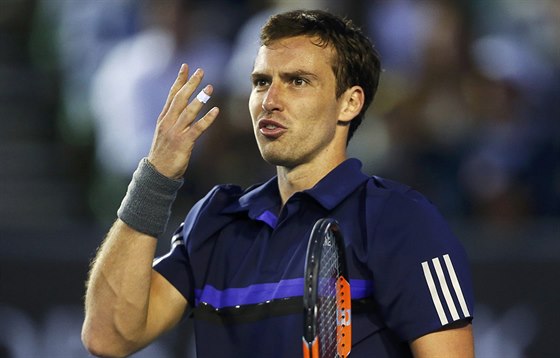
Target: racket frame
(310, 297)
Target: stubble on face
(294, 86)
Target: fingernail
(182, 69)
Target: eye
(259, 82)
(299, 81)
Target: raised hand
(176, 131)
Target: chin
(278, 159)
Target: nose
(272, 100)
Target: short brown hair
(356, 61)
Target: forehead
(294, 53)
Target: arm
(455, 340)
(127, 304)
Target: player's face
(293, 103)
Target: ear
(351, 103)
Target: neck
(303, 177)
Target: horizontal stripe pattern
(249, 313)
(265, 292)
(265, 310)
(445, 297)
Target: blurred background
(468, 112)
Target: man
(237, 262)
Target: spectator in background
(515, 147)
(469, 107)
(83, 32)
(132, 82)
(426, 116)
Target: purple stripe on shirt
(251, 294)
(361, 288)
(269, 218)
(260, 293)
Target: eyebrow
(285, 75)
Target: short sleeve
(421, 274)
(202, 221)
(175, 266)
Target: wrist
(146, 206)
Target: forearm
(118, 290)
(128, 304)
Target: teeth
(270, 126)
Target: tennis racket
(326, 298)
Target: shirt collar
(338, 184)
(328, 192)
(257, 199)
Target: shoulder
(219, 197)
(398, 215)
(396, 201)
(396, 191)
(413, 254)
(210, 206)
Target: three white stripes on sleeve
(445, 289)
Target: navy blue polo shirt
(239, 262)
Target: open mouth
(271, 129)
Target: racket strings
(327, 297)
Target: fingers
(204, 123)
(182, 113)
(177, 132)
(190, 112)
(181, 98)
(177, 85)
(178, 113)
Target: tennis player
(236, 263)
